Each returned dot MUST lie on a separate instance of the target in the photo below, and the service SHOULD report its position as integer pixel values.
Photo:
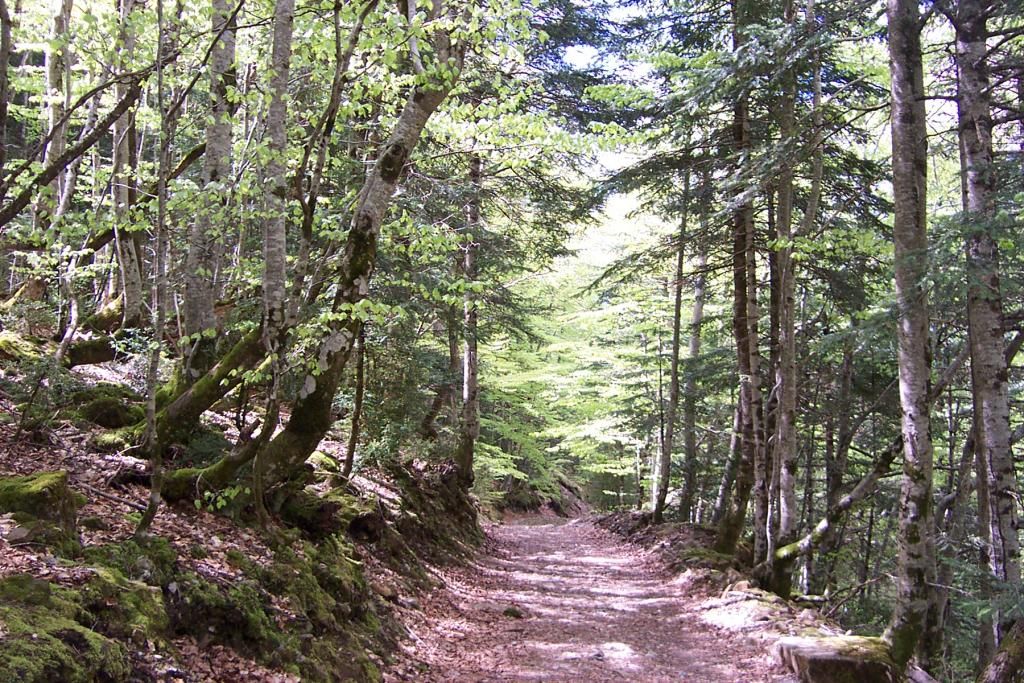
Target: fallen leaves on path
(567, 601)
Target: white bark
(122, 183)
(205, 241)
(58, 93)
(984, 298)
(275, 204)
(916, 562)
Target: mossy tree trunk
(184, 406)
(311, 415)
(1008, 662)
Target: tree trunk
(784, 455)
(5, 60)
(311, 415)
(723, 500)
(866, 486)
(984, 298)
(276, 194)
(470, 425)
(1007, 665)
(122, 183)
(204, 240)
(668, 440)
(751, 473)
(916, 562)
(690, 388)
(58, 93)
(357, 408)
(445, 390)
(166, 40)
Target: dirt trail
(592, 609)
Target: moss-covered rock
(107, 317)
(152, 561)
(322, 516)
(115, 440)
(323, 462)
(106, 390)
(17, 348)
(111, 413)
(90, 352)
(31, 530)
(125, 609)
(43, 639)
(204, 447)
(698, 556)
(45, 496)
(235, 615)
(838, 659)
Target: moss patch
(106, 390)
(17, 348)
(44, 640)
(709, 558)
(234, 615)
(837, 659)
(118, 439)
(111, 413)
(125, 609)
(152, 561)
(45, 496)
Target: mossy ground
(297, 600)
(46, 640)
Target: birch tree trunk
(984, 298)
(916, 562)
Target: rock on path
(567, 601)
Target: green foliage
(219, 500)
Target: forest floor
(557, 600)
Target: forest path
(593, 609)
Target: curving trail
(591, 608)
